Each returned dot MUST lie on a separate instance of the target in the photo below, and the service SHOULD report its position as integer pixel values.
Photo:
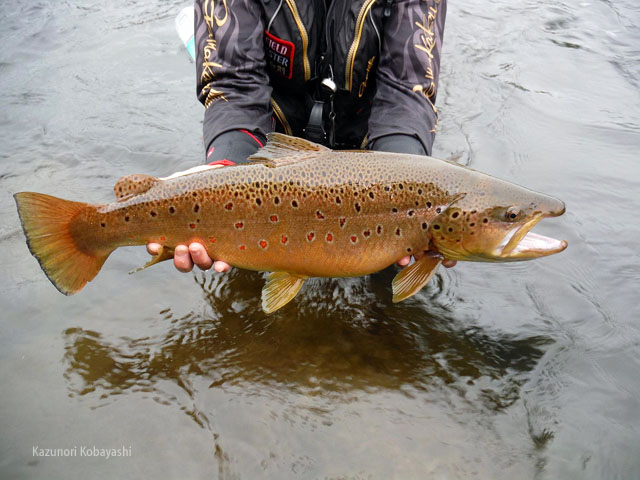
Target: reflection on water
(339, 338)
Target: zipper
(281, 118)
(303, 35)
(351, 57)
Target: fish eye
(512, 214)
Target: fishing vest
(321, 61)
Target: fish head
(492, 222)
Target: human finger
(182, 259)
(200, 256)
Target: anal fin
(411, 279)
(165, 253)
(279, 290)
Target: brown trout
(299, 210)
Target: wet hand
(185, 257)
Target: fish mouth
(521, 244)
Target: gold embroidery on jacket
(363, 85)
(210, 47)
(426, 45)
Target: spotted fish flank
(330, 214)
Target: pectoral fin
(411, 279)
(280, 289)
(165, 253)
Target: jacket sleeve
(232, 81)
(407, 75)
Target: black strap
(314, 130)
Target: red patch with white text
(279, 54)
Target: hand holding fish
(185, 257)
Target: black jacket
(260, 63)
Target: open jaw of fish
(522, 244)
(299, 210)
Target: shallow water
(525, 370)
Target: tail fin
(46, 222)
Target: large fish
(299, 210)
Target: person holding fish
(308, 203)
(345, 74)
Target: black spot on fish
(455, 214)
(485, 220)
(102, 224)
(371, 195)
(338, 200)
(410, 213)
(394, 210)
(258, 201)
(276, 200)
(438, 210)
(126, 218)
(357, 207)
(436, 227)
(450, 229)
(428, 204)
(152, 213)
(172, 209)
(294, 203)
(425, 225)
(398, 232)
(196, 207)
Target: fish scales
(301, 210)
(340, 214)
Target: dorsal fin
(131, 185)
(284, 150)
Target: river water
(501, 371)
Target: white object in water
(184, 27)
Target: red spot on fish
(354, 239)
(163, 238)
(284, 239)
(343, 221)
(212, 240)
(243, 248)
(229, 206)
(329, 237)
(192, 225)
(131, 237)
(274, 218)
(263, 243)
(319, 215)
(239, 225)
(311, 236)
